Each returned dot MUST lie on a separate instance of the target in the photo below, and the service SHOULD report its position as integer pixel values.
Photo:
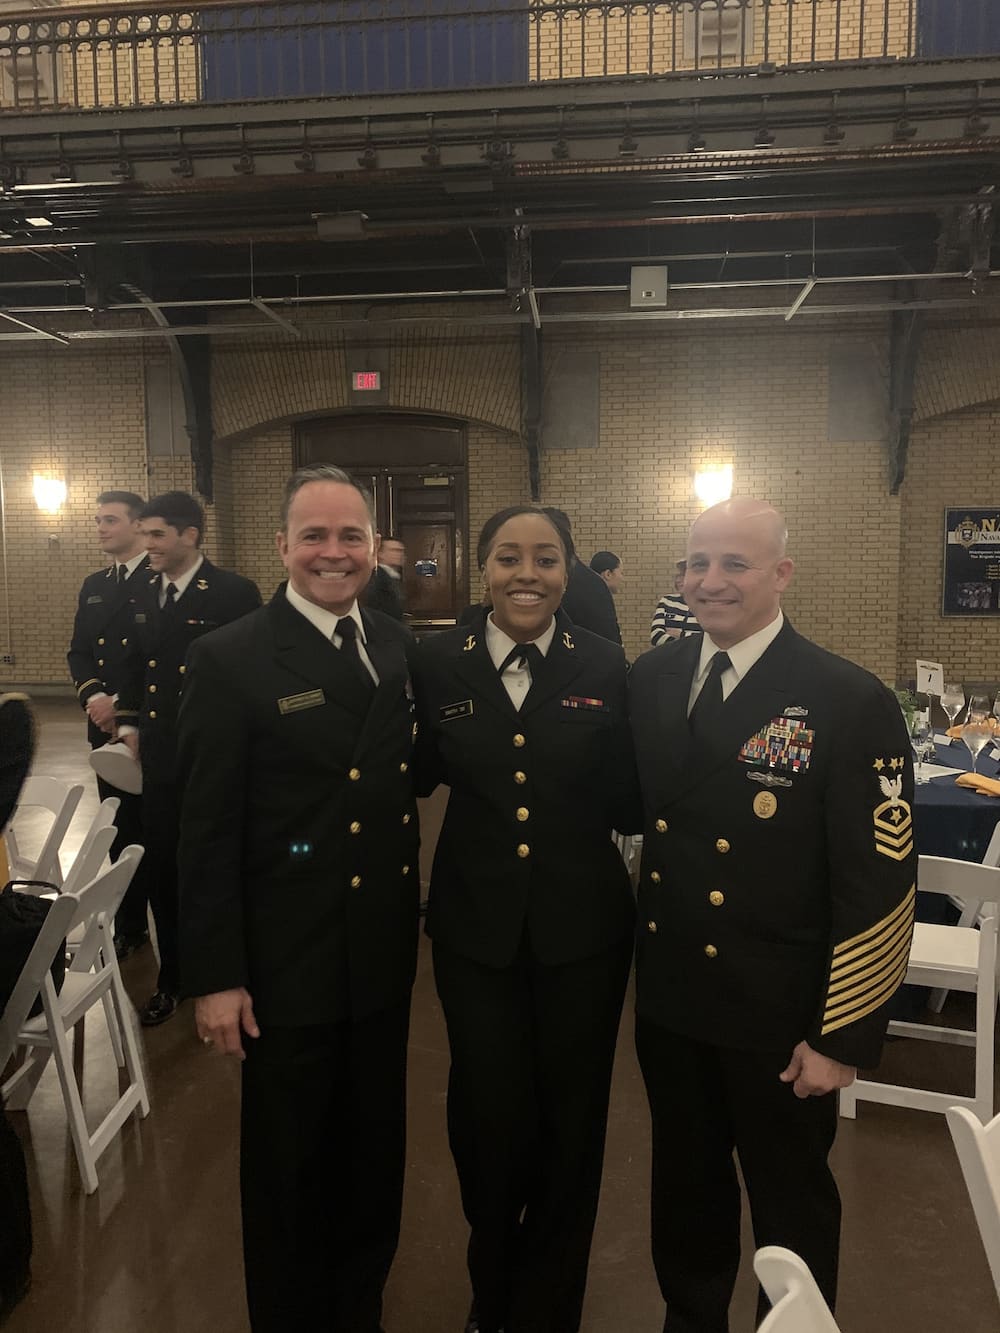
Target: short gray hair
(321, 472)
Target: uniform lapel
(389, 660)
(306, 652)
(474, 666)
(561, 665)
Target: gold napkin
(976, 781)
(955, 733)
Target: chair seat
(945, 949)
(75, 998)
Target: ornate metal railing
(90, 55)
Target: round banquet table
(954, 821)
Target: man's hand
(220, 1018)
(101, 711)
(814, 1075)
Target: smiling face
(171, 552)
(118, 534)
(525, 573)
(328, 546)
(736, 570)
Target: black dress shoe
(160, 1006)
(127, 945)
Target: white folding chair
(92, 974)
(797, 1305)
(95, 846)
(958, 957)
(978, 1148)
(48, 943)
(969, 915)
(60, 800)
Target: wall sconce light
(712, 485)
(50, 493)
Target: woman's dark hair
(496, 521)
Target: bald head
(736, 569)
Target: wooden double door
(416, 469)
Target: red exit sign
(366, 381)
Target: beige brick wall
(672, 397)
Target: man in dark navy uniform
(102, 632)
(299, 888)
(775, 913)
(182, 597)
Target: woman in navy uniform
(531, 915)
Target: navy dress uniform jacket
(103, 636)
(153, 675)
(299, 875)
(776, 899)
(526, 845)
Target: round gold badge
(765, 804)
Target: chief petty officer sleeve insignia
(893, 821)
(867, 968)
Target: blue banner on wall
(958, 28)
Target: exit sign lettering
(367, 381)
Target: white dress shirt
(742, 656)
(180, 581)
(326, 622)
(516, 678)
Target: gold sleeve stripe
(899, 854)
(861, 959)
(886, 923)
(870, 1004)
(837, 1000)
(93, 681)
(841, 987)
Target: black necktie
(705, 714)
(122, 574)
(170, 605)
(350, 646)
(525, 654)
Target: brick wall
(673, 396)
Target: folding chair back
(978, 1148)
(94, 848)
(60, 800)
(36, 968)
(797, 1305)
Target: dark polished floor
(156, 1249)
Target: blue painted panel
(958, 28)
(294, 50)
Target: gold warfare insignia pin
(567, 640)
(202, 585)
(765, 804)
(470, 643)
(893, 824)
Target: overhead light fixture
(712, 485)
(50, 493)
(39, 222)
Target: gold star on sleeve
(878, 765)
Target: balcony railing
(90, 55)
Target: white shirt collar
(182, 580)
(325, 621)
(131, 565)
(742, 655)
(499, 644)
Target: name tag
(97, 598)
(295, 703)
(140, 617)
(450, 711)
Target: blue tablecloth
(953, 821)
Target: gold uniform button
(100, 661)
(152, 689)
(413, 733)
(182, 669)
(355, 881)
(406, 819)
(404, 767)
(716, 898)
(522, 814)
(655, 877)
(354, 774)
(520, 778)
(661, 826)
(523, 850)
(406, 870)
(651, 927)
(151, 662)
(711, 951)
(355, 826)
(518, 740)
(124, 643)
(100, 643)
(722, 845)
(152, 712)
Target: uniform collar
(182, 581)
(499, 644)
(130, 565)
(325, 621)
(742, 655)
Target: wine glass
(979, 708)
(921, 741)
(952, 701)
(977, 734)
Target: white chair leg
(133, 1056)
(74, 1106)
(849, 1103)
(19, 1089)
(107, 999)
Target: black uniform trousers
(130, 919)
(532, 1049)
(161, 819)
(705, 1101)
(322, 1153)
(15, 1213)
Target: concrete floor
(157, 1248)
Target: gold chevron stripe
(876, 1002)
(893, 825)
(895, 836)
(901, 855)
(881, 928)
(844, 973)
(848, 993)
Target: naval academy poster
(971, 562)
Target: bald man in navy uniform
(775, 913)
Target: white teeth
(331, 573)
(526, 596)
